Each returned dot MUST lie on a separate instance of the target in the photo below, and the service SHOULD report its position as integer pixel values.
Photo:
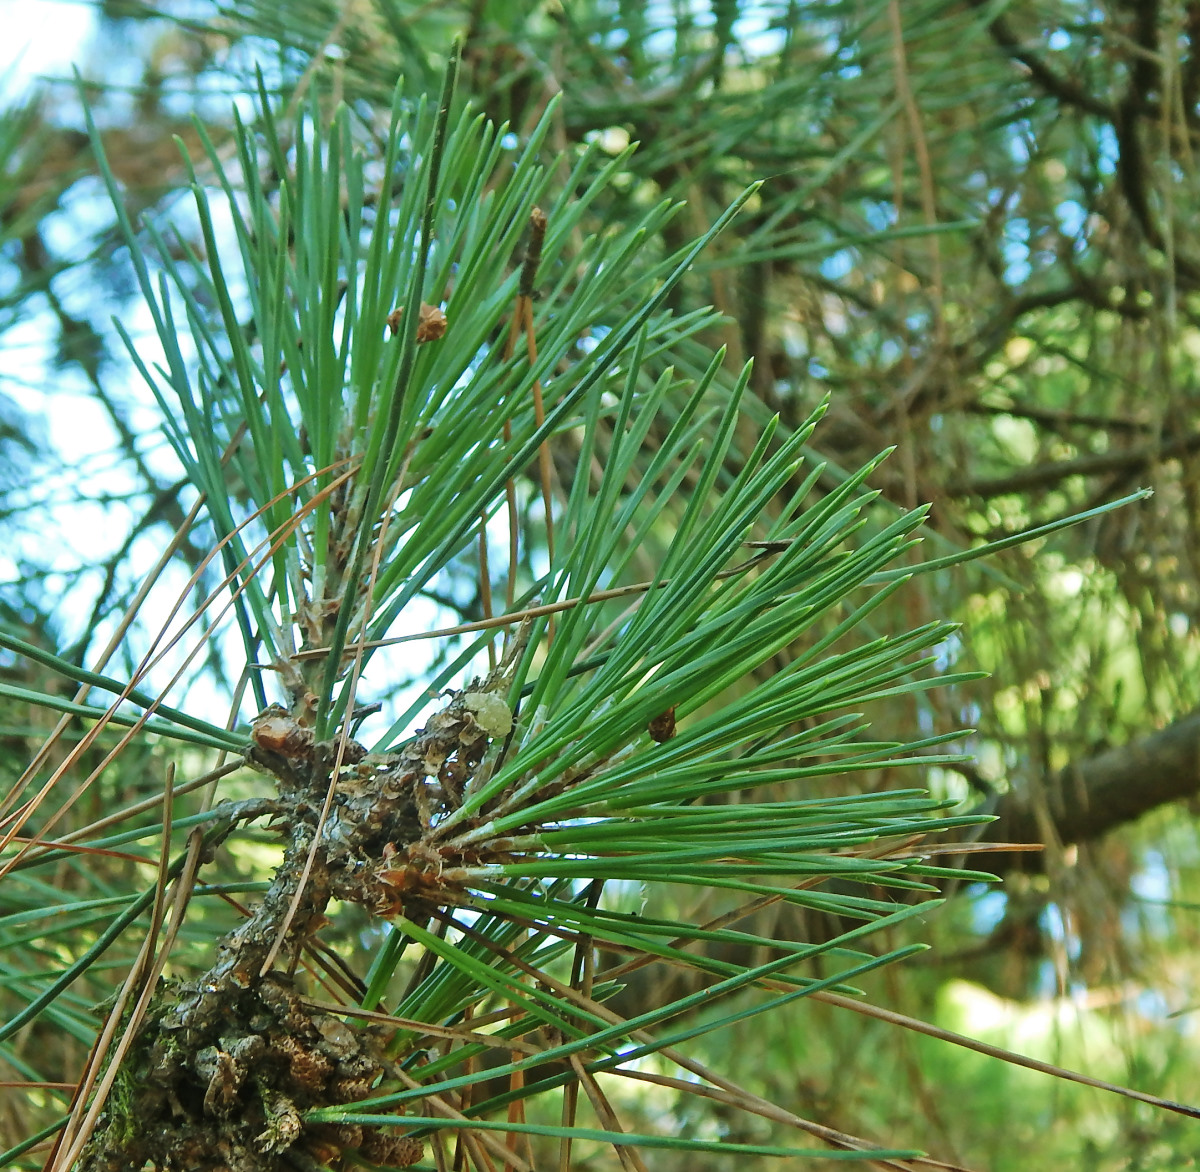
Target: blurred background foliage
(976, 232)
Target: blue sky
(41, 36)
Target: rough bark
(223, 1068)
(1092, 797)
